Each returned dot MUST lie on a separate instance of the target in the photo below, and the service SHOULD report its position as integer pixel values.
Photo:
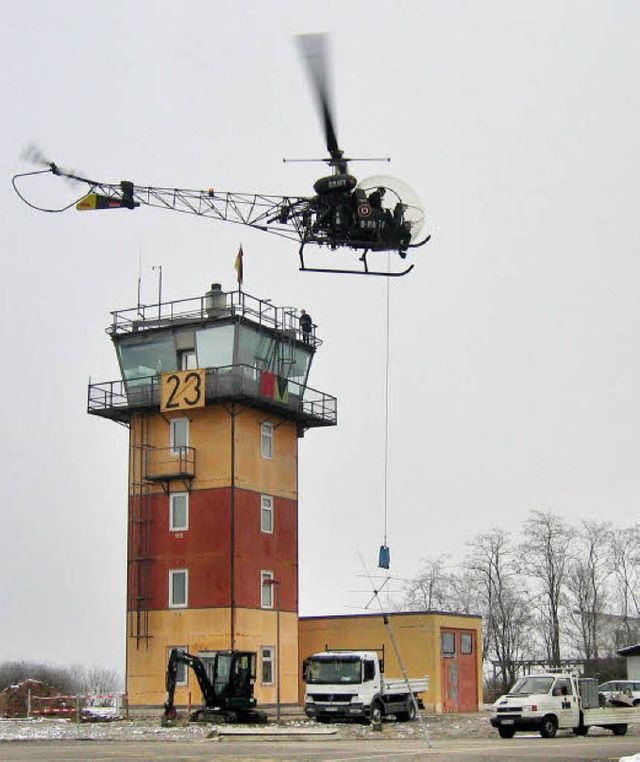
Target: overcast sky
(514, 370)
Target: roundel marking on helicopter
(364, 210)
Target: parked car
(620, 692)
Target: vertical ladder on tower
(139, 530)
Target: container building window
(466, 643)
(448, 643)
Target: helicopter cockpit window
(390, 209)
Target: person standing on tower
(305, 326)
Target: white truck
(549, 701)
(351, 684)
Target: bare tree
(587, 585)
(545, 552)
(506, 616)
(625, 568)
(430, 589)
(71, 679)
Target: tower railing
(118, 399)
(146, 317)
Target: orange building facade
(214, 392)
(446, 647)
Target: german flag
(239, 266)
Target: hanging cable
(386, 408)
(384, 556)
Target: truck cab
(351, 684)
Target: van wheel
(549, 726)
(506, 732)
(619, 730)
(377, 712)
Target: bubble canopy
(397, 191)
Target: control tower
(214, 391)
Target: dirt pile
(15, 700)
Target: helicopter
(377, 214)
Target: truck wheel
(409, 715)
(506, 732)
(619, 730)
(549, 726)
(377, 713)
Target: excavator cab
(227, 694)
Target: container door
(459, 670)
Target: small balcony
(164, 464)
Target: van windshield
(530, 685)
(325, 671)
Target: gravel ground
(438, 726)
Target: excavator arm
(182, 657)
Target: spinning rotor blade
(314, 49)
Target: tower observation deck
(249, 350)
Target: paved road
(523, 747)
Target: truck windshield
(328, 671)
(530, 685)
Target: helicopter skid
(355, 272)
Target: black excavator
(228, 696)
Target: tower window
(266, 514)
(178, 511)
(188, 360)
(266, 440)
(182, 674)
(266, 589)
(178, 588)
(179, 435)
(267, 664)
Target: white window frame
(267, 440)
(269, 659)
(266, 509)
(266, 600)
(188, 359)
(173, 423)
(172, 603)
(182, 674)
(173, 527)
